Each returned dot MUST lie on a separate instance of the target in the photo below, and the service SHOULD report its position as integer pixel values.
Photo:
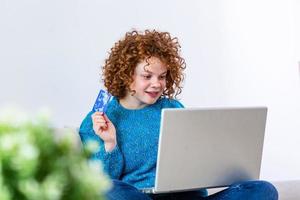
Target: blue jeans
(247, 190)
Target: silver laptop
(209, 147)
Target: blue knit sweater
(134, 158)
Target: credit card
(102, 101)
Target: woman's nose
(156, 82)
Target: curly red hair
(138, 46)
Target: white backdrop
(237, 53)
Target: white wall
(237, 53)
(296, 15)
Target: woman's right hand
(105, 129)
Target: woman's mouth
(153, 94)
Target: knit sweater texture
(133, 160)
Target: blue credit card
(102, 101)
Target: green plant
(34, 164)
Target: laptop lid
(209, 147)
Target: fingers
(102, 116)
(101, 126)
(99, 120)
(98, 116)
(106, 118)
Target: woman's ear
(132, 92)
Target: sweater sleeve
(112, 161)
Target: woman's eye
(147, 76)
(162, 77)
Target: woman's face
(149, 82)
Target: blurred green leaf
(34, 164)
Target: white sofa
(288, 190)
